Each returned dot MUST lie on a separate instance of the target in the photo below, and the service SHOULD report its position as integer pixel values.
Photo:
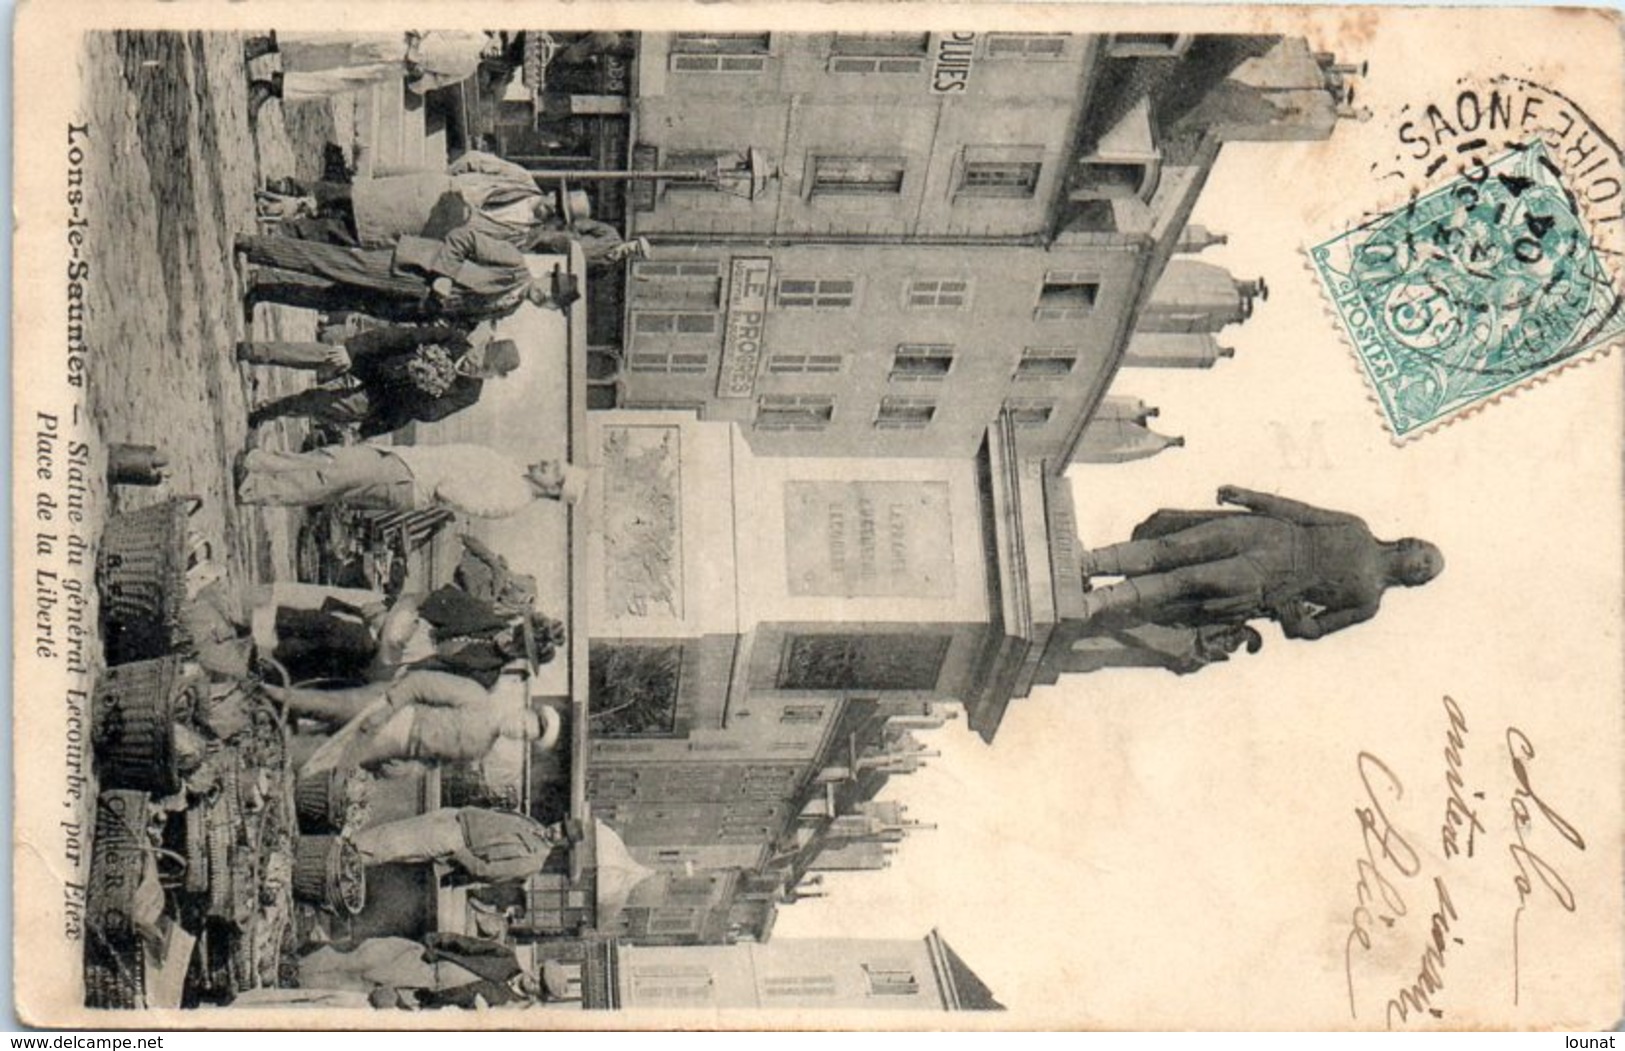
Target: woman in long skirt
(321, 64)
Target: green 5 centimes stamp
(1471, 290)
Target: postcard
(824, 516)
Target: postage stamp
(1487, 282)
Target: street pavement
(172, 178)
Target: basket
(327, 871)
(118, 856)
(197, 851)
(134, 715)
(115, 977)
(319, 800)
(141, 577)
(463, 784)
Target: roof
(969, 993)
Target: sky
(1137, 849)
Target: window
(879, 52)
(1142, 45)
(671, 362)
(891, 978)
(1066, 294)
(679, 284)
(722, 43)
(672, 298)
(671, 322)
(938, 294)
(999, 178)
(697, 408)
(1046, 363)
(1026, 45)
(794, 412)
(720, 52)
(818, 293)
(1104, 180)
(802, 714)
(674, 920)
(862, 662)
(690, 890)
(858, 175)
(669, 983)
(1029, 412)
(792, 985)
(798, 364)
(636, 688)
(922, 361)
(905, 413)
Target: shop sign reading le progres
(742, 329)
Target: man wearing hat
(485, 574)
(464, 278)
(487, 845)
(484, 192)
(571, 221)
(471, 479)
(451, 630)
(427, 716)
(404, 374)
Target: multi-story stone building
(956, 226)
(866, 346)
(907, 974)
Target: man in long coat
(485, 844)
(488, 194)
(382, 360)
(466, 278)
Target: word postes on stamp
(1471, 290)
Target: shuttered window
(938, 294)
(1000, 178)
(720, 52)
(794, 412)
(816, 293)
(1026, 45)
(922, 361)
(891, 978)
(781, 986)
(879, 52)
(1046, 363)
(905, 413)
(1066, 294)
(798, 364)
(858, 175)
(675, 362)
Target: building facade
(893, 281)
(852, 974)
(952, 226)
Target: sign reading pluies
(742, 327)
(950, 68)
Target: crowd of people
(428, 261)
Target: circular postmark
(1497, 257)
(1492, 274)
(1460, 135)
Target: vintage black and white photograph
(1084, 519)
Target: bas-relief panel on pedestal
(865, 539)
(641, 516)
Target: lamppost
(743, 174)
